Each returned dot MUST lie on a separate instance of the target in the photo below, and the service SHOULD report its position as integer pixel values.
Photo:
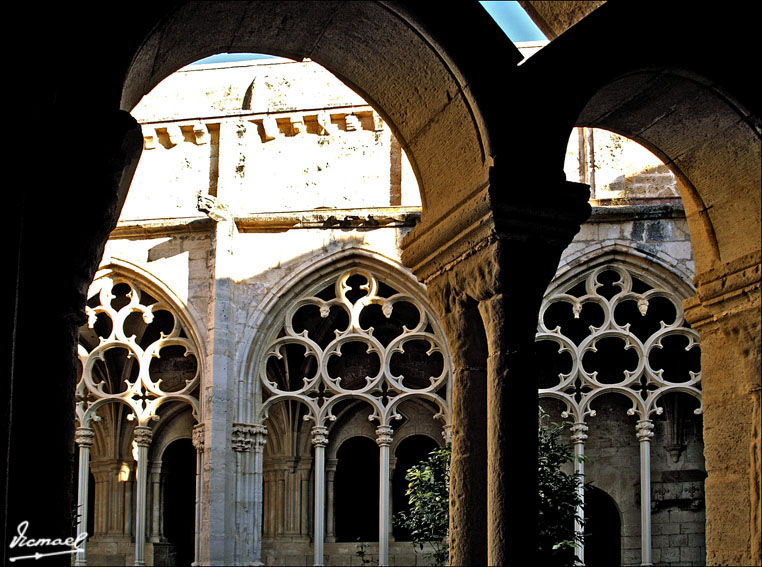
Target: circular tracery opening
(356, 335)
(612, 329)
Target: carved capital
(644, 430)
(84, 437)
(579, 432)
(543, 220)
(198, 437)
(447, 434)
(384, 435)
(247, 437)
(260, 437)
(143, 436)
(320, 436)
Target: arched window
(140, 362)
(614, 328)
(353, 348)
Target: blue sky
(510, 16)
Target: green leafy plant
(427, 520)
(428, 493)
(558, 496)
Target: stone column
(645, 431)
(84, 437)
(578, 438)
(319, 441)
(468, 466)
(330, 522)
(155, 502)
(726, 313)
(498, 252)
(384, 440)
(143, 437)
(257, 496)
(198, 443)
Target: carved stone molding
(487, 217)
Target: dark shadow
(603, 530)
(179, 479)
(356, 491)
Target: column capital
(143, 435)
(726, 289)
(579, 432)
(198, 435)
(447, 434)
(320, 436)
(84, 437)
(541, 218)
(384, 435)
(247, 437)
(644, 430)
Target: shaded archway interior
(668, 111)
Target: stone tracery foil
(643, 385)
(384, 391)
(145, 394)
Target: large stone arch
(692, 107)
(379, 49)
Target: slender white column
(319, 440)
(645, 431)
(84, 438)
(198, 443)
(260, 439)
(384, 440)
(578, 437)
(143, 435)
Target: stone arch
(177, 425)
(605, 548)
(266, 319)
(661, 270)
(700, 116)
(374, 47)
(715, 172)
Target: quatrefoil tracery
(644, 385)
(144, 393)
(323, 386)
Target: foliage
(428, 493)
(429, 498)
(558, 496)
